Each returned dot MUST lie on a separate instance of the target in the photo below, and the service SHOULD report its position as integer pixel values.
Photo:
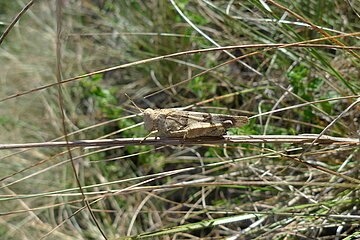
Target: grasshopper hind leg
(200, 130)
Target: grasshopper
(188, 124)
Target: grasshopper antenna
(141, 110)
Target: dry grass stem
(301, 139)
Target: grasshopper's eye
(228, 123)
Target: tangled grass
(292, 67)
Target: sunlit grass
(240, 191)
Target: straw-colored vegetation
(292, 67)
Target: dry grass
(291, 66)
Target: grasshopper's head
(149, 119)
(240, 121)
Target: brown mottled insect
(187, 124)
